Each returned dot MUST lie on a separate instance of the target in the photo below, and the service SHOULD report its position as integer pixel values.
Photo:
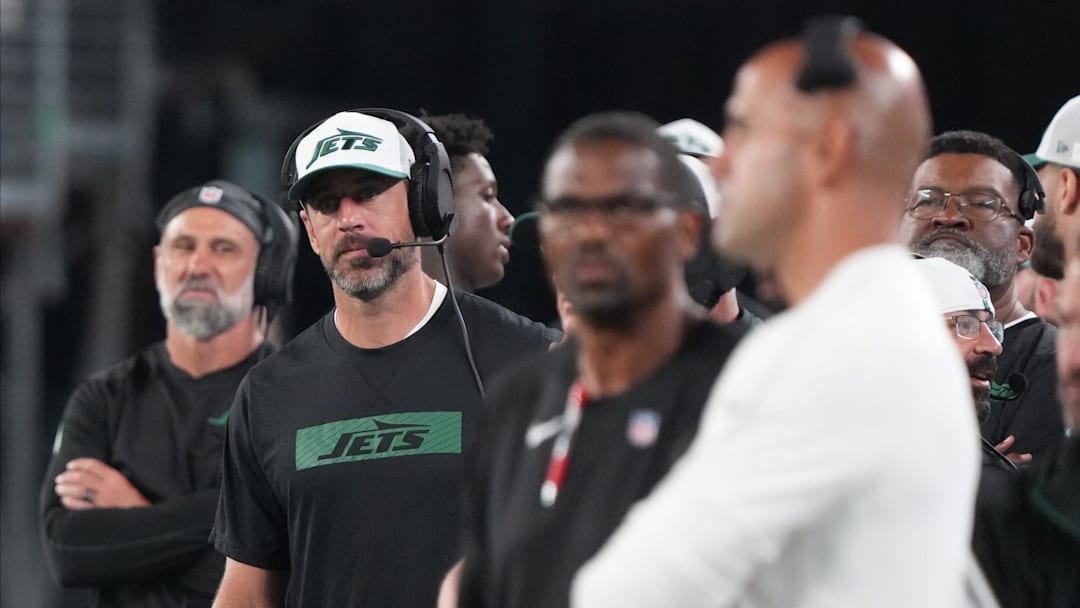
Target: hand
(1006, 445)
(90, 483)
(448, 590)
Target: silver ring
(89, 495)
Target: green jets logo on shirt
(1003, 392)
(344, 140)
(220, 421)
(386, 436)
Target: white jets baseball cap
(352, 141)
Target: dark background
(530, 68)
(246, 75)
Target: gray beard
(201, 321)
(204, 320)
(992, 268)
(371, 287)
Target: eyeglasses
(969, 326)
(928, 203)
(620, 209)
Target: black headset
(431, 185)
(278, 236)
(277, 255)
(1032, 196)
(827, 63)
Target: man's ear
(1069, 192)
(310, 230)
(1045, 295)
(1026, 239)
(691, 233)
(157, 260)
(832, 149)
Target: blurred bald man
(802, 487)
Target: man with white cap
(711, 277)
(965, 302)
(1058, 162)
(1026, 538)
(344, 451)
(969, 315)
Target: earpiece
(1032, 196)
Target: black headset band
(827, 63)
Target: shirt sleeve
(251, 525)
(756, 481)
(97, 547)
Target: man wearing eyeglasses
(968, 203)
(579, 435)
(969, 315)
(1022, 552)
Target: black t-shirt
(1027, 539)
(521, 553)
(163, 430)
(343, 465)
(1033, 416)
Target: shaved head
(887, 106)
(831, 165)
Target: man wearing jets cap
(344, 451)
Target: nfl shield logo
(211, 195)
(642, 428)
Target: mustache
(598, 251)
(951, 232)
(200, 283)
(983, 366)
(349, 243)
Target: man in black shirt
(1028, 542)
(129, 497)
(343, 459)
(580, 434)
(968, 204)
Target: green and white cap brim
(350, 140)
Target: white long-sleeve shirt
(835, 466)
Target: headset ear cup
(416, 200)
(276, 263)
(442, 194)
(431, 189)
(1032, 198)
